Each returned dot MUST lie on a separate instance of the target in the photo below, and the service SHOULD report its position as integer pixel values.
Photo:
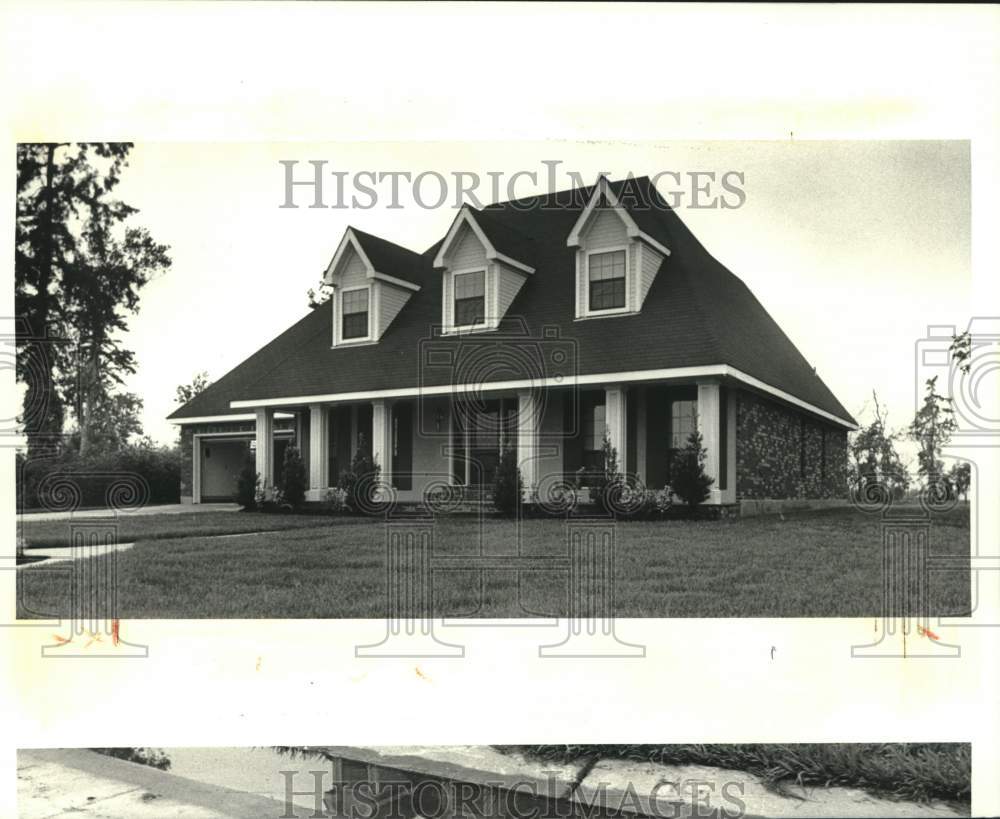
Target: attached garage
(219, 459)
(221, 462)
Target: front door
(480, 435)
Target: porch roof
(697, 314)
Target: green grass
(914, 771)
(820, 564)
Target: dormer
(367, 275)
(616, 261)
(480, 280)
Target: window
(354, 311)
(606, 274)
(470, 298)
(683, 421)
(594, 427)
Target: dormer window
(606, 275)
(366, 299)
(354, 314)
(470, 298)
(479, 281)
(616, 260)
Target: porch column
(319, 452)
(528, 426)
(264, 431)
(382, 437)
(708, 426)
(615, 420)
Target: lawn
(816, 564)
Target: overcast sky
(853, 247)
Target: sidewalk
(77, 782)
(164, 509)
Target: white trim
(351, 239)
(629, 279)
(211, 419)
(393, 280)
(214, 419)
(486, 323)
(720, 370)
(604, 188)
(465, 217)
(338, 316)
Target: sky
(854, 247)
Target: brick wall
(782, 453)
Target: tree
(931, 428)
(874, 456)
(960, 478)
(76, 268)
(320, 294)
(687, 475)
(508, 486)
(200, 383)
(115, 423)
(293, 477)
(103, 288)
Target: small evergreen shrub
(507, 484)
(248, 484)
(293, 478)
(688, 479)
(360, 481)
(608, 483)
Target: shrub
(688, 478)
(153, 471)
(336, 500)
(508, 487)
(293, 478)
(153, 757)
(248, 484)
(359, 482)
(608, 482)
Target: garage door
(221, 462)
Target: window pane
(606, 272)
(355, 301)
(470, 311)
(470, 285)
(683, 421)
(593, 428)
(603, 266)
(355, 325)
(607, 295)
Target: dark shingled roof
(388, 258)
(696, 313)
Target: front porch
(424, 443)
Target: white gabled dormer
(616, 261)
(365, 300)
(480, 282)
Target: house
(539, 324)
